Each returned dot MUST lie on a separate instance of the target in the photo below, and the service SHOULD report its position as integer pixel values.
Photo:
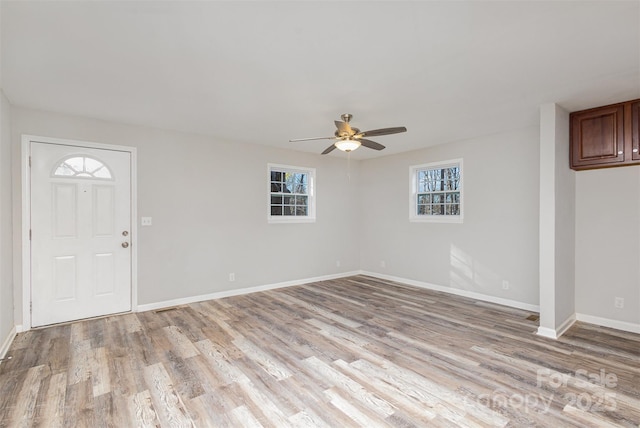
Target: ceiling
(264, 72)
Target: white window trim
(89, 175)
(311, 186)
(413, 189)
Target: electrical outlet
(146, 221)
(383, 264)
(232, 277)
(618, 302)
(505, 284)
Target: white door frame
(26, 217)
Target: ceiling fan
(349, 138)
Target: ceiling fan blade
(313, 138)
(371, 144)
(343, 128)
(383, 131)
(329, 149)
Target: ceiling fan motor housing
(339, 134)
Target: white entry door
(80, 232)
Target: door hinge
(29, 234)
(29, 160)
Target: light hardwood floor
(351, 352)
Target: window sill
(436, 219)
(293, 219)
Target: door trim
(26, 216)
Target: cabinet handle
(620, 152)
(635, 150)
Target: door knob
(125, 233)
(125, 245)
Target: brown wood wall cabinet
(606, 136)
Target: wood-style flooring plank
(52, 411)
(168, 404)
(24, 410)
(141, 410)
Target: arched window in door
(83, 167)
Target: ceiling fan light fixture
(347, 145)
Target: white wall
(498, 240)
(6, 239)
(608, 245)
(209, 207)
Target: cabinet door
(635, 130)
(597, 137)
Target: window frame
(413, 193)
(311, 194)
(84, 174)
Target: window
(291, 194)
(436, 192)
(82, 167)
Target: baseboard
(606, 322)
(238, 292)
(456, 291)
(7, 343)
(547, 332)
(566, 325)
(554, 334)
